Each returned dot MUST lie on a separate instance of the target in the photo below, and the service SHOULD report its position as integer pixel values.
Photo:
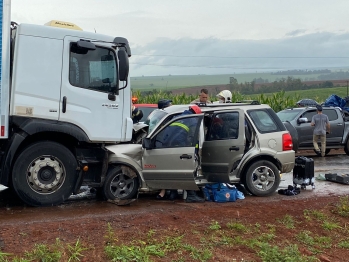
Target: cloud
(216, 56)
(296, 32)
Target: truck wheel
(118, 185)
(44, 174)
(262, 178)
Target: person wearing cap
(203, 98)
(163, 103)
(321, 126)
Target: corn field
(277, 101)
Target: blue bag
(220, 192)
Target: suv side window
(93, 69)
(263, 121)
(309, 115)
(224, 126)
(180, 133)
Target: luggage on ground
(303, 172)
(334, 177)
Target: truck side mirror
(123, 68)
(123, 65)
(302, 120)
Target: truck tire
(346, 147)
(262, 178)
(44, 174)
(118, 185)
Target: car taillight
(287, 142)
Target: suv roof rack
(251, 102)
(246, 102)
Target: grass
(342, 207)
(315, 231)
(287, 221)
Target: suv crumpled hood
(134, 151)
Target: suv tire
(262, 178)
(118, 185)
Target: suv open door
(169, 158)
(224, 145)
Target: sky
(190, 37)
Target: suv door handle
(185, 156)
(235, 148)
(339, 124)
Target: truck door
(87, 77)
(171, 161)
(305, 130)
(224, 145)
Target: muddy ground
(87, 220)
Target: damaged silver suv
(230, 143)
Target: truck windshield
(287, 115)
(154, 118)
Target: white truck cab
(65, 94)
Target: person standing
(203, 97)
(321, 128)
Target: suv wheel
(262, 178)
(118, 185)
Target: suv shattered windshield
(154, 118)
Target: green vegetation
(342, 208)
(264, 241)
(214, 225)
(287, 221)
(278, 101)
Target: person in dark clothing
(136, 114)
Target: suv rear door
(168, 164)
(224, 145)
